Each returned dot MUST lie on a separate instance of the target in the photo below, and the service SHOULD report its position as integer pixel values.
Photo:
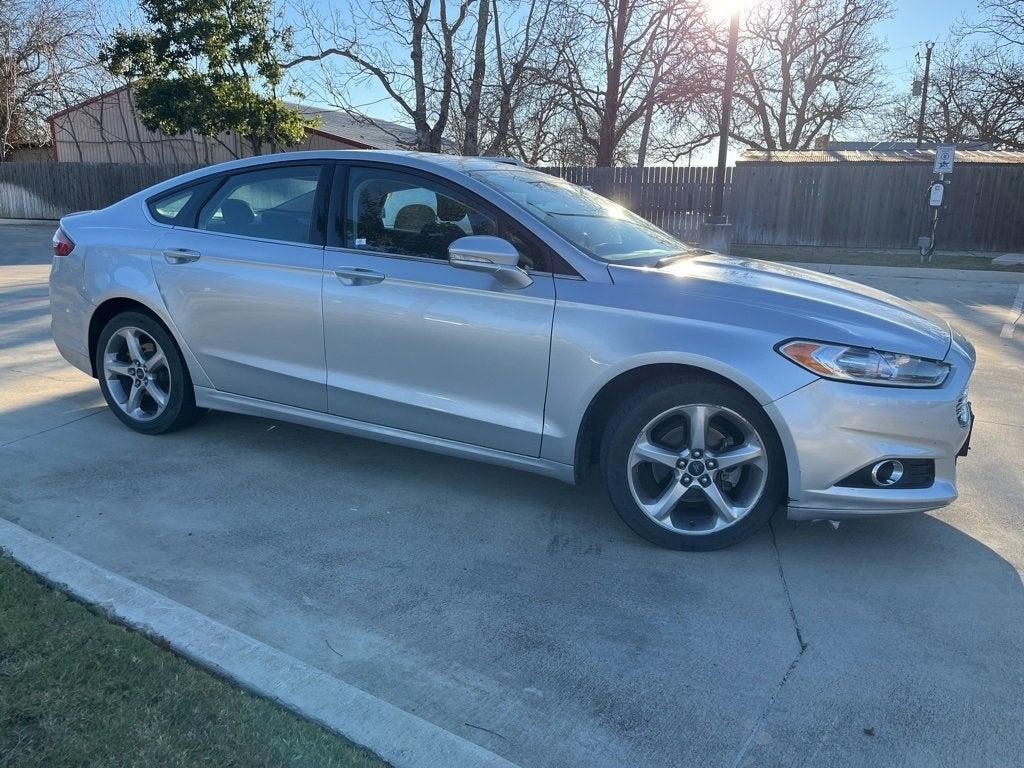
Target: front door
(243, 286)
(417, 344)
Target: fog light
(886, 473)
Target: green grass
(868, 257)
(79, 690)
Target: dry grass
(78, 690)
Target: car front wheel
(693, 464)
(143, 376)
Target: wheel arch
(115, 305)
(602, 405)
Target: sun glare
(723, 9)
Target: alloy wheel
(137, 373)
(696, 469)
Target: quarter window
(398, 213)
(166, 208)
(271, 203)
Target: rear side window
(272, 204)
(166, 208)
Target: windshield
(592, 223)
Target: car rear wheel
(693, 464)
(143, 376)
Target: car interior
(288, 221)
(413, 221)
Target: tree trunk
(607, 140)
(471, 140)
(645, 135)
(423, 133)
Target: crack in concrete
(785, 589)
(99, 409)
(748, 743)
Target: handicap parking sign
(944, 158)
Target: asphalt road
(520, 613)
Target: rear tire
(693, 464)
(143, 375)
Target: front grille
(917, 473)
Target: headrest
(450, 210)
(237, 213)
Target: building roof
(898, 146)
(977, 156)
(345, 125)
(356, 128)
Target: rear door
(242, 280)
(417, 344)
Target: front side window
(594, 224)
(271, 203)
(397, 213)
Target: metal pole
(718, 190)
(924, 93)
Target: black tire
(180, 410)
(646, 404)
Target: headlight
(865, 366)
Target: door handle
(181, 256)
(358, 276)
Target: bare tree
(806, 69)
(517, 46)
(618, 61)
(1002, 23)
(43, 61)
(951, 110)
(406, 47)
(976, 91)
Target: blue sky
(914, 22)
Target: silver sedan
(487, 311)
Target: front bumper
(831, 429)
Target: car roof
(412, 159)
(448, 165)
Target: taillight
(62, 244)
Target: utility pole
(924, 91)
(718, 189)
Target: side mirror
(485, 253)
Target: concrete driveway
(520, 613)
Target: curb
(399, 737)
(918, 273)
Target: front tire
(693, 464)
(143, 375)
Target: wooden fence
(848, 204)
(50, 190)
(877, 205)
(675, 199)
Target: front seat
(414, 217)
(440, 234)
(238, 216)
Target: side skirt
(250, 406)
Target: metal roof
(895, 146)
(358, 128)
(1001, 156)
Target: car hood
(797, 302)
